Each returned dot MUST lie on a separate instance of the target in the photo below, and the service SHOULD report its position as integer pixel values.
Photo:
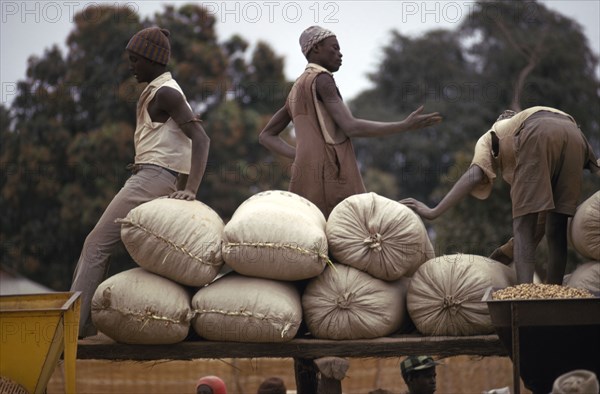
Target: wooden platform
(103, 348)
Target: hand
(420, 209)
(183, 195)
(416, 120)
(498, 255)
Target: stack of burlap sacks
(368, 271)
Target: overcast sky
(362, 27)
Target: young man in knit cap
(542, 154)
(171, 150)
(325, 170)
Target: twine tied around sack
(451, 304)
(273, 245)
(286, 326)
(168, 242)
(374, 241)
(344, 301)
(147, 315)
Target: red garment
(214, 382)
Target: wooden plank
(103, 348)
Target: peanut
(529, 291)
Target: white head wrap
(312, 36)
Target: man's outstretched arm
(355, 127)
(472, 178)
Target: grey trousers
(147, 184)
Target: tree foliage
(430, 70)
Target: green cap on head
(416, 363)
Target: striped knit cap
(312, 36)
(151, 43)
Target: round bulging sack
(586, 276)
(276, 235)
(177, 239)
(445, 294)
(237, 308)
(139, 307)
(346, 303)
(584, 228)
(379, 236)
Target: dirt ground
(457, 375)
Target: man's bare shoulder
(326, 87)
(168, 97)
(168, 93)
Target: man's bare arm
(173, 103)
(270, 136)
(355, 127)
(472, 178)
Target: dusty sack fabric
(444, 296)
(584, 228)
(239, 308)
(139, 307)
(586, 276)
(177, 239)
(378, 235)
(345, 303)
(276, 235)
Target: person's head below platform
(211, 385)
(149, 53)
(272, 385)
(579, 381)
(419, 374)
(320, 46)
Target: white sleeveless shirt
(162, 144)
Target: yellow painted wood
(35, 329)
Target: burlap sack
(584, 228)
(237, 308)
(378, 235)
(177, 239)
(345, 303)
(139, 307)
(445, 294)
(276, 235)
(586, 276)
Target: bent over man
(541, 153)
